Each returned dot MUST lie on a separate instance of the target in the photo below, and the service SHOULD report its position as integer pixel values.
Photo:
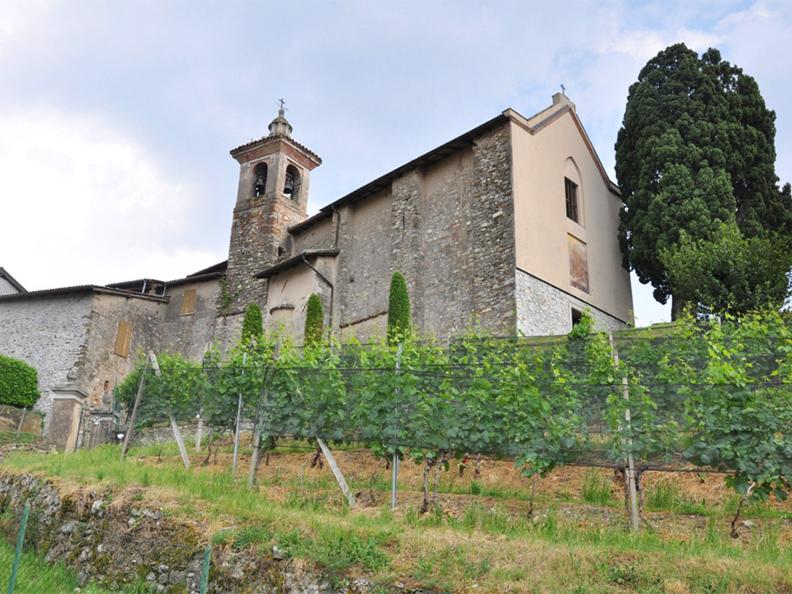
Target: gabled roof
(59, 291)
(219, 267)
(561, 105)
(14, 283)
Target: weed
(596, 488)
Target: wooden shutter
(188, 302)
(570, 189)
(123, 338)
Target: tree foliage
(252, 324)
(696, 149)
(314, 320)
(399, 316)
(18, 382)
(730, 273)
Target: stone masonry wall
(98, 362)
(492, 233)
(364, 260)
(49, 333)
(189, 334)
(543, 309)
(448, 227)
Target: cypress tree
(399, 323)
(314, 320)
(695, 151)
(252, 324)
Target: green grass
(486, 544)
(36, 576)
(7, 437)
(596, 488)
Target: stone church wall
(321, 235)
(49, 334)
(98, 362)
(188, 334)
(448, 227)
(543, 309)
(364, 262)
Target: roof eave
(294, 261)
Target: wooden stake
(199, 433)
(635, 520)
(133, 416)
(179, 441)
(236, 426)
(339, 476)
(254, 461)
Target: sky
(116, 118)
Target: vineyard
(704, 396)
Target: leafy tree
(314, 320)
(696, 149)
(252, 324)
(18, 382)
(730, 273)
(399, 317)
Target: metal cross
(282, 104)
(563, 89)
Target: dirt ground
(288, 475)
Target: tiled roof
(14, 283)
(59, 291)
(242, 148)
(294, 261)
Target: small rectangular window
(577, 316)
(188, 302)
(123, 338)
(570, 189)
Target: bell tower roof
(280, 126)
(279, 136)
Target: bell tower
(271, 197)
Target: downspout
(329, 284)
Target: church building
(510, 227)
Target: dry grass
(482, 542)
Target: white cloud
(77, 195)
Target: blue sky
(116, 118)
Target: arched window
(260, 179)
(573, 192)
(291, 188)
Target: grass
(486, 545)
(37, 576)
(596, 488)
(7, 437)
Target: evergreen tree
(252, 324)
(314, 320)
(399, 317)
(696, 149)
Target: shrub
(18, 383)
(314, 320)
(399, 323)
(253, 324)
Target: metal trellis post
(18, 552)
(395, 464)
